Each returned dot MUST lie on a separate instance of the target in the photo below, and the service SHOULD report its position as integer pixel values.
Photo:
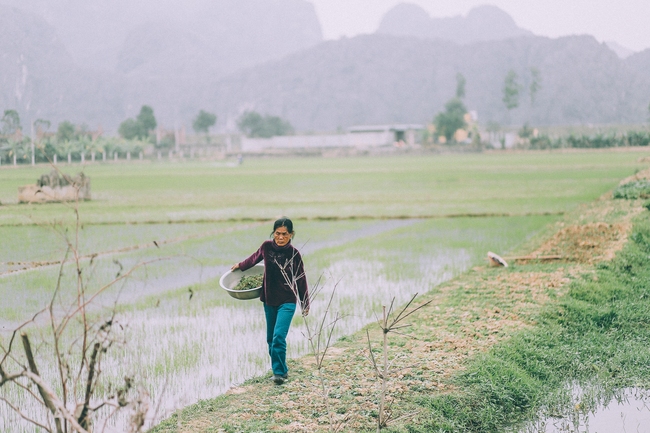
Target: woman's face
(282, 236)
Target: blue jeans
(278, 320)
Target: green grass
(396, 186)
(599, 333)
(633, 190)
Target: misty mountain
(40, 79)
(620, 50)
(640, 62)
(98, 61)
(156, 52)
(167, 66)
(483, 23)
(238, 32)
(384, 79)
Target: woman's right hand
(234, 267)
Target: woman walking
(283, 285)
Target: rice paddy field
(371, 228)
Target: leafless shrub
(383, 372)
(319, 336)
(72, 343)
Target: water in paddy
(188, 340)
(627, 410)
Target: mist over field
(98, 62)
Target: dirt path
(466, 316)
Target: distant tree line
(255, 125)
(452, 118)
(141, 127)
(68, 143)
(597, 141)
(72, 142)
(78, 145)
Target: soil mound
(588, 243)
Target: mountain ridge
(482, 23)
(324, 86)
(384, 79)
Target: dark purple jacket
(277, 285)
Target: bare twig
(7, 351)
(76, 353)
(319, 337)
(47, 396)
(20, 413)
(383, 373)
(51, 399)
(89, 386)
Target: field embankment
(494, 348)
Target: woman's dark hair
(283, 222)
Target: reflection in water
(627, 410)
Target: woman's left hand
(305, 312)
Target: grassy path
(494, 346)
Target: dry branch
(84, 346)
(387, 326)
(51, 399)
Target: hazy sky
(624, 21)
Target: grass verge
(599, 332)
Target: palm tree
(95, 146)
(84, 144)
(3, 151)
(16, 149)
(105, 145)
(132, 147)
(68, 148)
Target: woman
(283, 285)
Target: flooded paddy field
(186, 348)
(374, 229)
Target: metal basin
(230, 279)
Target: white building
(364, 136)
(384, 135)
